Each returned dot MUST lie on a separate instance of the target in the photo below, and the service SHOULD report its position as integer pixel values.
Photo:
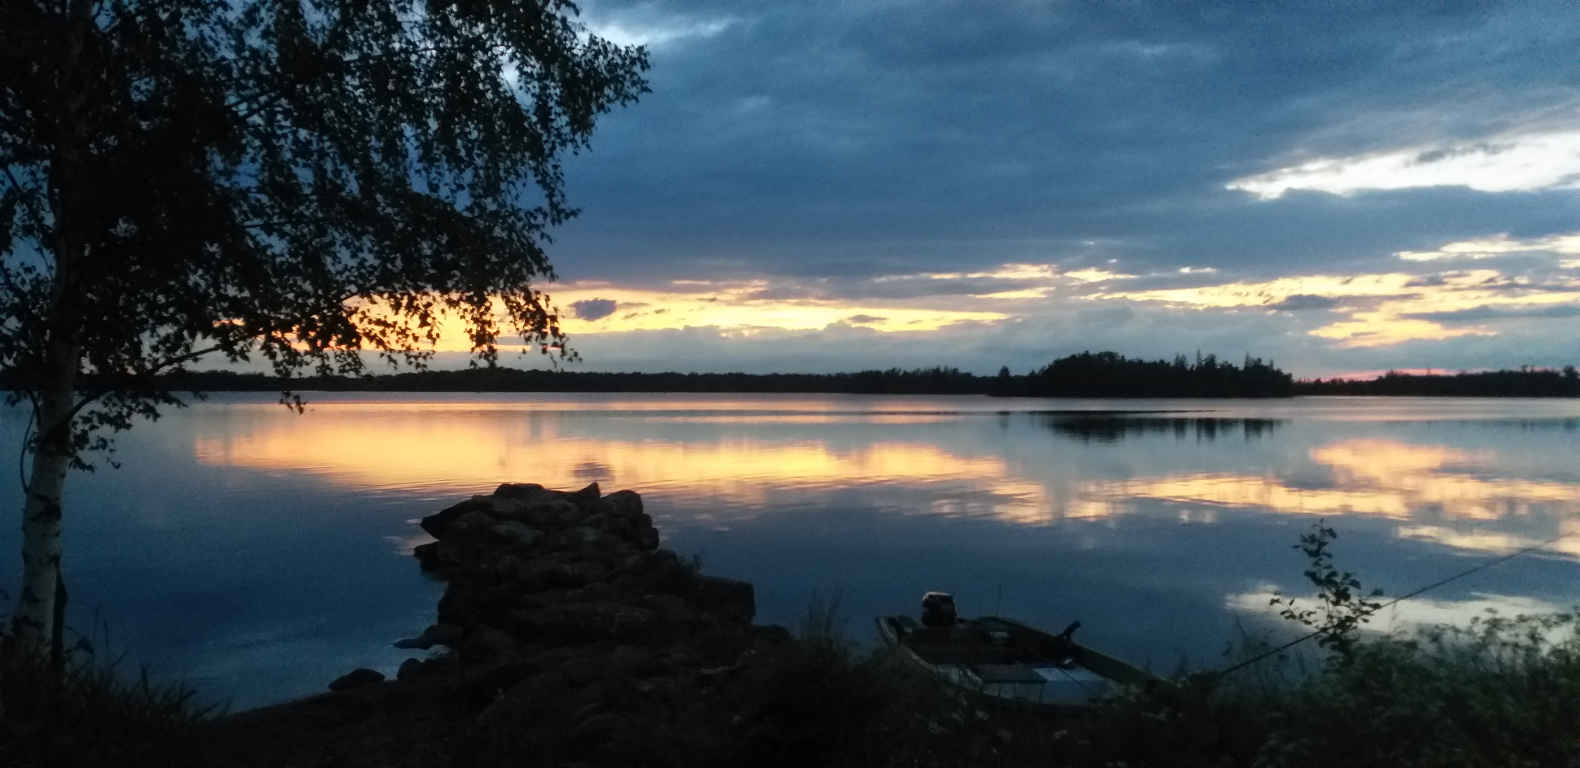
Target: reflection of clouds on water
(1435, 491)
(1496, 542)
(1415, 612)
(1373, 477)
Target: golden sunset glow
(1379, 306)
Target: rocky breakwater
(531, 568)
(573, 635)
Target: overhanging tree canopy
(297, 181)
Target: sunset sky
(831, 186)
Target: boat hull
(1009, 661)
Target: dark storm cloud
(593, 309)
(842, 151)
(869, 139)
(889, 287)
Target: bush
(87, 714)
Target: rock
(575, 623)
(647, 537)
(730, 598)
(624, 503)
(437, 634)
(470, 524)
(427, 555)
(550, 512)
(517, 533)
(587, 534)
(574, 574)
(418, 643)
(409, 669)
(444, 634)
(450, 552)
(357, 678)
(673, 608)
(519, 490)
(436, 524)
(485, 642)
(586, 495)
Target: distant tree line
(894, 381)
(1109, 374)
(1088, 374)
(1102, 374)
(1526, 382)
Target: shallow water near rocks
(259, 554)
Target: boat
(1005, 659)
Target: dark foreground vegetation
(654, 667)
(1101, 374)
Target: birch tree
(306, 183)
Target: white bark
(34, 619)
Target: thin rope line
(1406, 596)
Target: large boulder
(436, 524)
(731, 599)
(361, 677)
(519, 491)
(586, 496)
(516, 533)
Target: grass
(90, 713)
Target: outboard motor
(1061, 647)
(938, 609)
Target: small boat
(1006, 659)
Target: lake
(258, 554)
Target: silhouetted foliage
(893, 381)
(1522, 383)
(1085, 375)
(292, 181)
(1109, 374)
(1343, 607)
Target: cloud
(1303, 301)
(801, 165)
(1508, 164)
(593, 309)
(1498, 246)
(1488, 313)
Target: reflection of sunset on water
(1427, 487)
(470, 455)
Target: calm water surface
(258, 554)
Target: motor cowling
(938, 609)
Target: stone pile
(530, 567)
(571, 632)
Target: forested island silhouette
(1088, 374)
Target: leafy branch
(1342, 604)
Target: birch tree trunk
(35, 616)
